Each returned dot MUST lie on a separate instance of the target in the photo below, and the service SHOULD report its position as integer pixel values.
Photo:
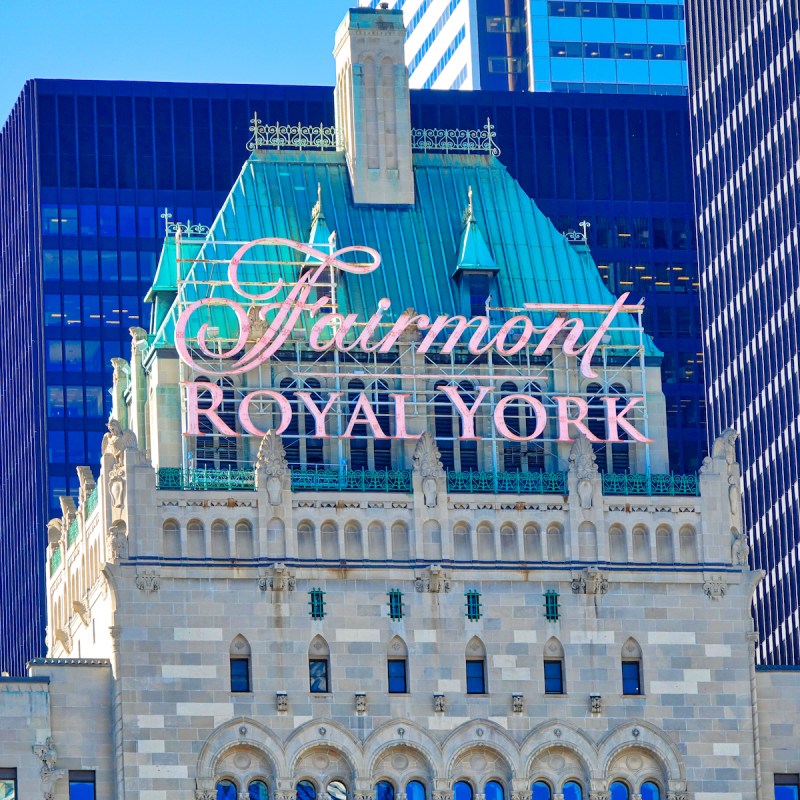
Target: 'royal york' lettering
(283, 309)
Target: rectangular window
(476, 676)
(240, 674)
(554, 677)
(631, 677)
(395, 604)
(81, 784)
(317, 603)
(398, 680)
(8, 784)
(787, 787)
(473, 604)
(318, 675)
(551, 605)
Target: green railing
(651, 485)
(72, 533)
(202, 479)
(91, 502)
(55, 559)
(507, 482)
(351, 480)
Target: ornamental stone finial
(272, 467)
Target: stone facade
(203, 638)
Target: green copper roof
(421, 245)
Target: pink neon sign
(345, 333)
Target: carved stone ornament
(83, 611)
(601, 795)
(117, 441)
(434, 580)
(286, 795)
(361, 703)
(116, 542)
(517, 704)
(677, 795)
(116, 488)
(520, 795)
(596, 704)
(281, 701)
(204, 794)
(271, 466)
(439, 703)
(47, 754)
(715, 587)
(364, 796)
(280, 578)
(63, 637)
(583, 465)
(740, 549)
(428, 463)
(148, 582)
(590, 581)
(442, 795)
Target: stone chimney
(373, 109)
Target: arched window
(620, 453)
(244, 539)
(476, 666)
(631, 667)
(240, 654)
(226, 790)
(336, 790)
(520, 419)
(304, 790)
(493, 791)
(415, 790)
(314, 446)
(382, 448)
(257, 790)
(291, 435)
(319, 677)
(650, 791)
(462, 791)
(195, 539)
(541, 791)
(220, 542)
(572, 791)
(384, 791)
(172, 539)
(212, 449)
(665, 553)
(359, 446)
(366, 451)
(397, 666)
(610, 457)
(553, 667)
(443, 428)
(619, 791)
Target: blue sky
(222, 41)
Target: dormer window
(479, 287)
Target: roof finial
(317, 210)
(469, 195)
(469, 215)
(584, 226)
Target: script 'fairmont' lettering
(281, 310)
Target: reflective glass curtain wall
(745, 84)
(103, 160)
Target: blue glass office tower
(88, 167)
(600, 46)
(745, 92)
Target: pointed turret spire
(473, 252)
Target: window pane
(649, 791)
(305, 791)
(553, 677)
(476, 678)
(384, 791)
(415, 791)
(540, 791)
(318, 673)
(337, 790)
(55, 401)
(787, 787)
(258, 790)
(630, 678)
(8, 784)
(619, 791)
(573, 791)
(462, 791)
(240, 674)
(81, 785)
(493, 791)
(226, 790)
(397, 676)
